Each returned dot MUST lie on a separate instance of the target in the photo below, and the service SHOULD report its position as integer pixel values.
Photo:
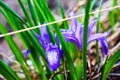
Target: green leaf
(111, 20)
(34, 54)
(7, 72)
(25, 13)
(85, 36)
(49, 28)
(38, 65)
(79, 70)
(109, 64)
(39, 15)
(93, 4)
(16, 51)
(65, 24)
(32, 12)
(6, 7)
(97, 30)
(32, 38)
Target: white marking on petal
(52, 57)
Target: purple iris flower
(52, 51)
(75, 34)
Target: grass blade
(32, 13)
(7, 72)
(93, 4)
(5, 6)
(18, 54)
(25, 12)
(112, 15)
(97, 30)
(40, 17)
(65, 24)
(37, 64)
(26, 40)
(109, 64)
(79, 70)
(85, 34)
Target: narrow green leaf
(38, 64)
(5, 6)
(26, 37)
(40, 17)
(97, 30)
(34, 45)
(79, 70)
(112, 15)
(109, 64)
(25, 13)
(32, 12)
(34, 55)
(15, 27)
(93, 4)
(65, 24)
(7, 72)
(85, 34)
(15, 49)
(111, 19)
(50, 28)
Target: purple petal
(79, 34)
(74, 40)
(59, 46)
(26, 53)
(74, 36)
(104, 45)
(98, 36)
(74, 20)
(91, 25)
(53, 57)
(44, 34)
(40, 40)
(95, 37)
(102, 39)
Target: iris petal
(90, 27)
(26, 53)
(98, 36)
(104, 45)
(95, 37)
(102, 39)
(73, 39)
(53, 57)
(74, 20)
(40, 40)
(44, 34)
